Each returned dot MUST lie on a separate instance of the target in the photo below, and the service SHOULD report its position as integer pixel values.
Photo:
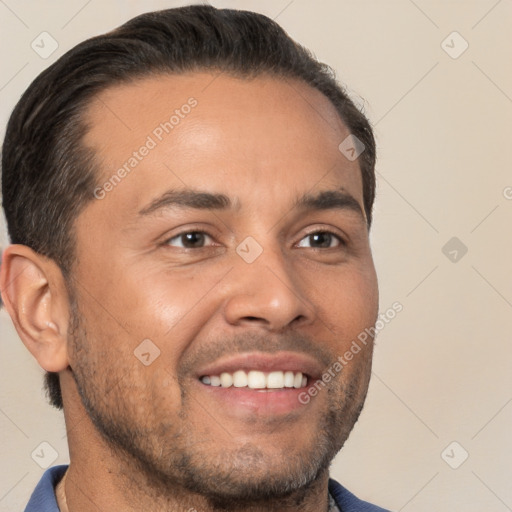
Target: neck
(60, 494)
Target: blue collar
(43, 498)
(347, 502)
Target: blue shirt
(43, 498)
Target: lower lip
(267, 402)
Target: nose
(268, 293)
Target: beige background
(442, 370)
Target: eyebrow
(188, 198)
(330, 200)
(199, 200)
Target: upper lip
(264, 362)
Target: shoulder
(347, 502)
(43, 498)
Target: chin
(251, 477)
(254, 474)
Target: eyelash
(342, 242)
(193, 231)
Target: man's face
(179, 270)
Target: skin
(154, 437)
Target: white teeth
(257, 380)
(288, 379)
(240, 379)
(214, 380)
(275, 380)
(226, 380)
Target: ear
(35, 296)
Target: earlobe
(34, 294)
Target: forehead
(262, 136)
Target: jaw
(223, 452)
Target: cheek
(123, 377)
(170, 307)
(140, 305)
(347, 300)
(162, 312)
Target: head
(180, 208)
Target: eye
(190, 240)
(321, 240)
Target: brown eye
(321, 240)
(189, 240)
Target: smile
(255, 379)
